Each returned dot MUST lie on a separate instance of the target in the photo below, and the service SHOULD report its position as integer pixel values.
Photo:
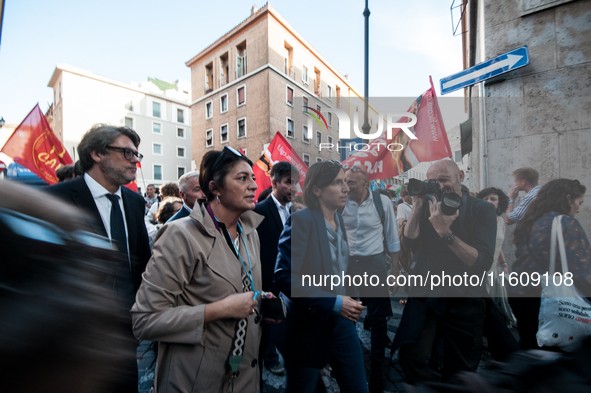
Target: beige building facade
(254, 81)
(158, 111)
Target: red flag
(278, 150)
(431, 143)
(132, 186)
(34, 146)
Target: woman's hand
(351, 309)
(240, 305)
(271, 295)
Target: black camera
(450, 201)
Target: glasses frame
(226, 148)
(127, 153)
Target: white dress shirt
(283, 210)
(103, 204)
(364, 228)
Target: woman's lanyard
(246, 272)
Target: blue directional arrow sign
(489, 69)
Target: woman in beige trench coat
(195, 289)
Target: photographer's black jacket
(475, 226)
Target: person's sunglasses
(329, 164)
(127, 153)
(221, 156)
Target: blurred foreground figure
(61, 327)
(524, 372)
(109, 159)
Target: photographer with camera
(453, 234)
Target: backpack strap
(377, 200)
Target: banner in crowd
(385, 158)
(34, 146)
(279, 150)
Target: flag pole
(143, 180)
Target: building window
(241, 95)
(180, 133)
(209, 78)
(157, 172)
(157, 149)
(241, 127)
(224, 133)
(224, 69)
(304, 103)
(241, 60)
(289, 96)
(209, 138)
(288, 63)
(329, 119)
(305, 74)
(224, 103)
(305, 138)
(180, 171)
(318, 138)
(157, 128)
(290, 128)
(458, 156)
(329, 92)
(306, 158)
(155, 109)
(317, 89)
(129, 122)
(180, 116)
(318, 159)
(180, 152)
(329, 140)
(208, 109)
(129, 106)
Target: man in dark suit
(190, 191)
(109, 155)
(276, 210)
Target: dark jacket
(304, 249)
(76, 192)
(269, 231)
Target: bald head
(447, 173)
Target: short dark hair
(166, 209)
(264, 194)
(78, 169)
(170, 190)
(319, 175)
(282, 169)
(530, 175)
(65, 172)
(503, 198)
(98, 138)
(151, 185)
(223, 167)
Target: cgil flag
(34, 146)
(279, 150)
(431, 143)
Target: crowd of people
(215, 277)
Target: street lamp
(2, 122)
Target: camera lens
(415, 187)
(450, 203)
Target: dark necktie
(118, 226)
